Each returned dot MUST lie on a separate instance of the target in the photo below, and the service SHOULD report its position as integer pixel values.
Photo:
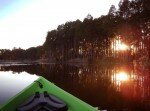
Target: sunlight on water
(120, 86)
(11, 84)
(120, 79)
(122, 76)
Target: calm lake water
(119, 87)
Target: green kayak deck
(73, 103)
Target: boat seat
(43, 102)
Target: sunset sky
(25, 23)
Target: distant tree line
(92, 37)
(33, 53)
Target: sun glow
(119, 46)
(122, 47)
(121, 76)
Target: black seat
(43, 102)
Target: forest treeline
(91, 38)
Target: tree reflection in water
(115, 87)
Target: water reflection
(119, 78)
(110, 87)
(12, 83)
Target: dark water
(115, 88)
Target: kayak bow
(43, 95)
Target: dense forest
(96, 39)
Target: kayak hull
(41, 85)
